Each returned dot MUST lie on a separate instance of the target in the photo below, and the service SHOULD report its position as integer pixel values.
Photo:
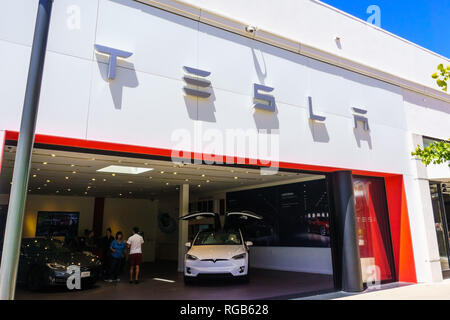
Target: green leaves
(442, 77)
(436, 153)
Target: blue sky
(425, 22)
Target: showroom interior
(292, 253)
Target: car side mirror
(249, 243)
(188, 244)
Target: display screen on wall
(294, 215)
(57, 224)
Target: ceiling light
(53, 155)
(186, 180)
(207, 181)
(44, 163)
(199, 186)
(72, 165)
(74, 172)
(203, 175)
(162, 172)
(69, 190)
(235, 178)
(113, 174)
(125, 170)
(93, 179)
(34, 175)
(150, 177)
(104, 180)
(167, 183)
(67, 178)
(175, 173)
(48, 181)
(130, 181)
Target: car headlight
(239, 256)
(56, 266)
(191, 257)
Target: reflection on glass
(373, 232)
(294, 215)
(439, 225)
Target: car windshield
(218, 238)
(44, 244)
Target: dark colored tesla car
(43, 262)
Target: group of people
(115, 251)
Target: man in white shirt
(135, 246)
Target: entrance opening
(72, 192)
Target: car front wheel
(34, 279)
(188, 280)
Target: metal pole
(14, 222)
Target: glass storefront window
(440, 225)
(372, 223)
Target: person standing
(106, 252)
(135, 245)
(117, 252)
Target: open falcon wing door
(236, 218)
(204, 215)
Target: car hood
(72, 258)
(216, 252)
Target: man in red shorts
(135, 246)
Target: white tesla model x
(220, 252)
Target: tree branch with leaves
(436, 153)
(442, 76)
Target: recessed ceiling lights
(130, 181)
(93, 179)
(72, 165)
(69, 190)
(44, 163)
(203, 175)
(104, 180)
(53, 155)
(175, 173)
(113, 174)
(167, 183)
(208, 181)
(67, 178)
(199, 186)
(34, 175)
(125, 170)
(150, 177)
(162, 172)
(235, 178)
(187, 180)
(48, 181)
(74, 172)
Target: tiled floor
(264, 284)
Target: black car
(43, 262)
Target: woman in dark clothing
(106, 252)
(117, 252)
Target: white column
(423, 231)
(183, 225)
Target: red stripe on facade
(396, 196)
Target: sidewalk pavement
(394, 291)
(425, 291)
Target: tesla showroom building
(291, 109)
